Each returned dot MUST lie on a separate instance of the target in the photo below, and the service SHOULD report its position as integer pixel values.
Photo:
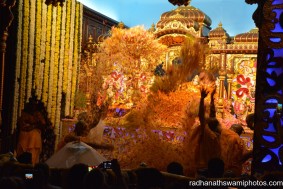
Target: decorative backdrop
(48, 56)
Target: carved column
(268, 134)
(229, 80)
(222, 76)
(7, 17)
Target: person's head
(237, 128)
(44, 169)
(25, 157)
(213, 124)
(215, 168)
(81, 128)
(148, 178)
(75, 176)
(94, 179)
(175, 168)
(250, 121)
(12, 183)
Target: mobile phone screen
(29, 176)
(107, 165)
(279, 108)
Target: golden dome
(190, 13)
(251, 36)
(183, 20)
(218, 32)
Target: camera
(279, 108)
(107, 165)
(91, 167)
(29, 176)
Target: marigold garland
(70, 63)
(60, 75)
(24, 54)
(48, 46)
(18, 64)
(76, 55)
(31, 48)
(52, 62)
(47, 56)
(42, 50)
(38, 30)
(67, 47)
(56, 63)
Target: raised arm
(203, 93)
(212, 105)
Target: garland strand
(18, 64)
(24, 55)
(31, 48)
(51, 64)
(56, 63)
(42, 49)
(47, 56)
(38, 30)
(70, 63)
(60, 75)
(75, 61)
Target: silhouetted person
(204, 138)
(175, 168)
(215, 168)
(237, 128)
(44, 172)
(233, 150)
(250, 121)
(12, 183)
(95, 179)
(149, 178)
(25, 158)
(75, 176)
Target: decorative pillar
(268, 134)
(222, 75)
(229, 80)
(7, 17)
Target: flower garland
(38, 30)
(47, 56)
(31, 47)
(42, 50)
(67, 47)
(56, 63)
(51, 64)
(18, 64)
(60, 75)
(76, 52)
(70, 63)
(24, 54)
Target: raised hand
(203, 93)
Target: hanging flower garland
(60, 76)
(56, 64)
(24, 54)
(38, 30)
(42, 50)
(18, 64)
(52, 61)
(47, 56)
(67, 47)
(31, 48)
(70, 63)
(76, 55)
